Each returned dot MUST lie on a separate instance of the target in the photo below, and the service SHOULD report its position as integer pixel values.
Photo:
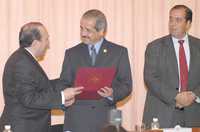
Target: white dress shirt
(187, 54)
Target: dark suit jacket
(162, 80)
(91, 115)
(28, 94)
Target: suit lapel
(104, 50)
(85, 55)
(34, 62)
(171, 56)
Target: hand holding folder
(93, 79)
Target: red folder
(93, 79)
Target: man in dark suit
(28, 93)
(172, 74)
(91, 115)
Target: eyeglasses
(176, 19)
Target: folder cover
(93, 79)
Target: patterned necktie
(93, 54)
(183, 67)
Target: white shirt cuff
(63, 97)
(197, 100)
(110, 98)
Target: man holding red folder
(102, 68)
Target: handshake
(70, 93)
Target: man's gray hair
(101, 22)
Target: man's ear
(102, 32)
(35, 43)
(189, 24)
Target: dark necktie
(183, 67)
(93, 54)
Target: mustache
(84, 37)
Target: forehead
(88, 21)
(180, 12)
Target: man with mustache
(92, 115)
(172, 72)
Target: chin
(85, 42)
(174, 35)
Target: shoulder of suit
(108, 43)
(19, 57)
(194, 41)
(114, 45)
(194, 38)
(159, 41)
(18, 54)
(168, 37)
(76, 47)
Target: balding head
(30, 32)
(34, 37)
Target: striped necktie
(93, 54)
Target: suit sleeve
(122, 84)
(152, 76)
(194, 66)
(66, 76)
(33, 90)
(57, 84)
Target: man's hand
(179, 106)
(184, 99)
(70, 93)
(105, 92)
(69, 102)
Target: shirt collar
(30, 53)
(185, 38)
(97, 45)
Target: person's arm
(152, 76)
(33, 89)
(56, 84)
(122, 84)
